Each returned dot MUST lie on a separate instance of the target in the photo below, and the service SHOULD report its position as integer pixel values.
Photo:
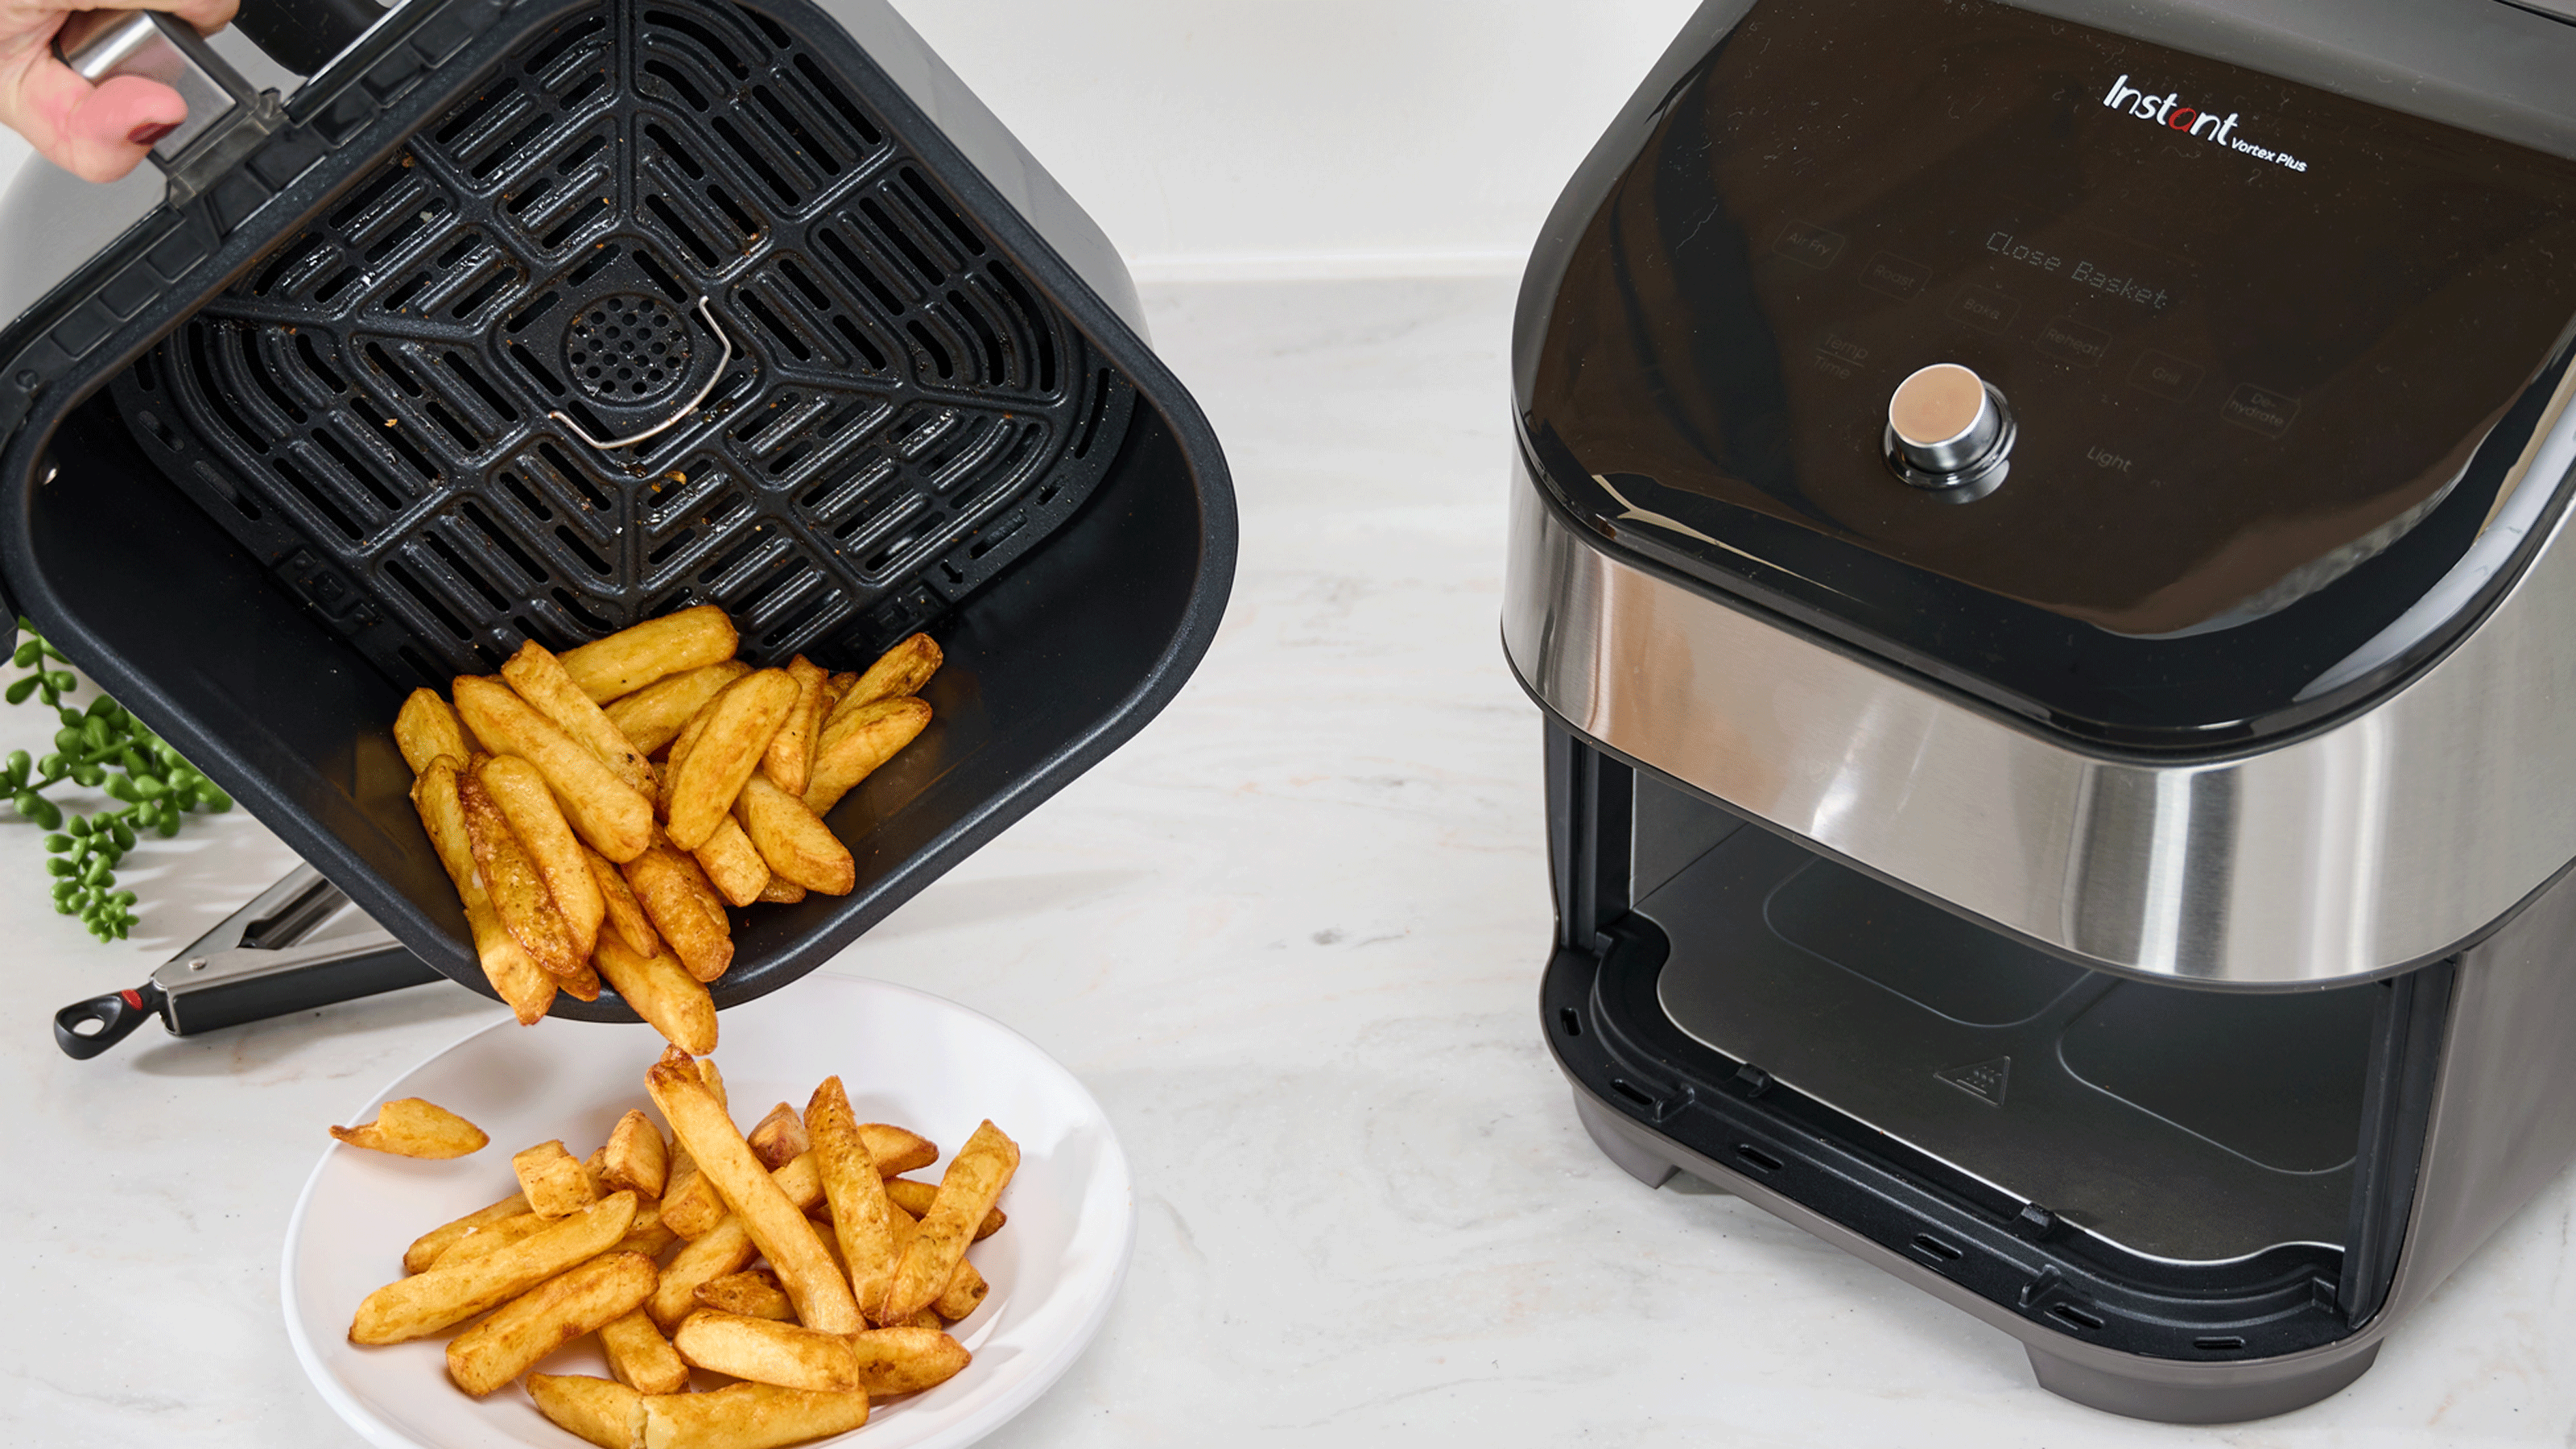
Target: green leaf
(60, 866)
(17, 693)
(122, 787)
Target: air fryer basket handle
(303, 35)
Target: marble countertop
(1291, 937)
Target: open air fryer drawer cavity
(2174, 1172)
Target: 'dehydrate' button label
(2260, 408)
(2073, 341)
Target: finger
(208, 16)
(100, 132)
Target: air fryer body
(2127, 899)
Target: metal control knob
(1948, 430)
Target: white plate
(905, 1057)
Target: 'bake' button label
(2265, 411)
(1894, 275)
(2166, 375)
(1805, 242)
(1985, 308)
(2072, 341)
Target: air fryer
(2037, 537)
(531, 321)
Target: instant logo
(2169, 112)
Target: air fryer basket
(344, 423)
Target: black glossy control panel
(2261, 342)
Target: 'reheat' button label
(2261, 409)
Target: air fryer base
(2130, 1386)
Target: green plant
(103, 747)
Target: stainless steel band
(2381, 842)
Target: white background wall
(1226, 138)
(1306, 137)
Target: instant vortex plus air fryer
(532, 320)
(2038, 541)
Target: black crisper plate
(390, 408)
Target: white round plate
(905, 1057)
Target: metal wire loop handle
(686, 408)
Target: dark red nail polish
(146, 135)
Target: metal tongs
(264, 960)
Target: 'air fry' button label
(2260, 408)
(1806, 242)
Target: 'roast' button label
(2265, 411)
(2165, 375)
(1984, 308)
(1805, 242)
(1894, 275)
(2072, 341)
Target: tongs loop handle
(113, 1018)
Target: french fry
(603, 809)
(492, 1237)
(424, 1303)
(752, 1293)
(822, 1295)
(528, 804)
(553, 1181)
(545, 1318)
(739, 725)
(518, 889)
(693, 1207)
(709, 1073)
(897, 1149)
(410, 1127)
(748, 1416)
(734, 866)
(855, 744)
(666, 883)
(426, 728)
(648, 1234)
(915, 1198)
(635, 1156)
(653, 716)
(632, 658)
(906, 1360)
(424, 1250)
(514, 974)
(857, 1194)
(974, 1179)
(790, 758)
(836, 689)
(662, 991)
(678, 754)
(610, 1415)
(898, 672)
(624, 914)
(640, 1357)
(541, 680)
(781, 892)
(725, 1248)
(966, 1287)
(766, 1351)
(779, 1138)
(795, 843)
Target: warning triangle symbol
(1982, 1080)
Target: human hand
(95, 132)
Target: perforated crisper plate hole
(627, 349)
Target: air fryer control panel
(2269, 355)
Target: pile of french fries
(792, 1260)
(599, 810)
